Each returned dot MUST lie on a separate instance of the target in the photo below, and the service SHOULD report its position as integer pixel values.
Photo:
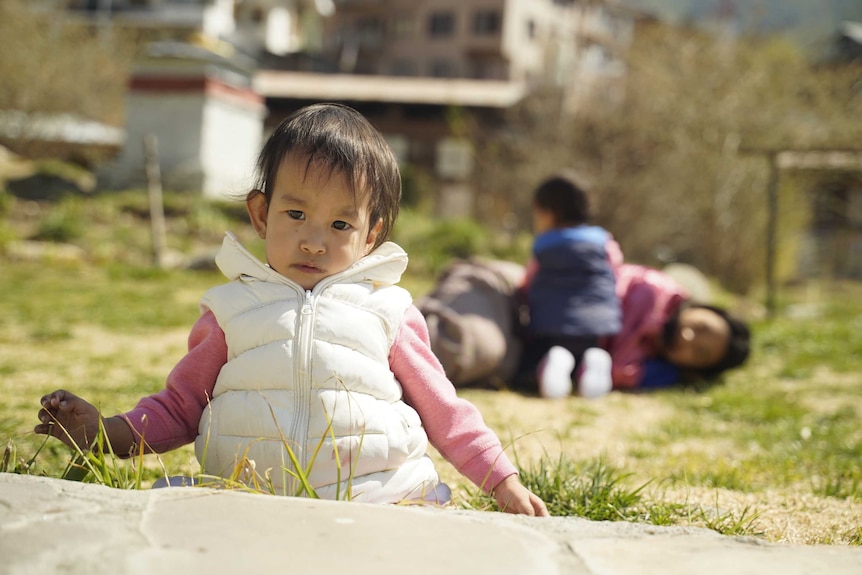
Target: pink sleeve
(648, 298)
(453, 424)
(169, 419)
(629, 347)
(614, 252)
(530, 271)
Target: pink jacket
(169, 419)
(648, 299)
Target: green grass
(597, 491)
(790, 418)
(831, 338)
(50, 299)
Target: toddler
(316, 350)
(570, 295)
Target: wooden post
(771, 233)
(154, 192)
(794, 159)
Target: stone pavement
(53, 526)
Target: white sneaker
(555, 373)
(595, 378)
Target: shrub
(433, 244)
(63, 223)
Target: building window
(486, 23)
(531, 29)
(484, 70)
(443, 69)
(403, 26)
(371, 31)
(441, 24)
(403, 68)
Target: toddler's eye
(296, 214)
(340, 225)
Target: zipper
(303, 349)
(302, 375)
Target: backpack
(472, 317)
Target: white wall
(232, 138)
(176, 120)
(207, 143)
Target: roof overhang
(838, 160)
(392, 89)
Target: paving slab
(53, 526)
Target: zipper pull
(307, 303)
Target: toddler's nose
(312, 244)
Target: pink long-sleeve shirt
(169, 419)
(648, 298)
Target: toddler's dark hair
(564, 195)
(337, 138)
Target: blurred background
(722, 134)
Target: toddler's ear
(258, 208)
(371, 240)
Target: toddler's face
(312, 226)
(543, 220)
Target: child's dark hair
(738, 343)
(339, 139)
(564, 195)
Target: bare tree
(668, 179)
(51, 63)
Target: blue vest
(573, 293)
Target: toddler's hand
(512, 497)
(69, 418)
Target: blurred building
(510, 40)
(405, 64)
(253, 27)
(567, 43)
(573, 44)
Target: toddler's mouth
(307, 268)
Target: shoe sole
(595, 380)
(555, 381)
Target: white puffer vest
(308, 377)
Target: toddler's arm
(453, 424)
(169, 419)
(165, 420)
(75, 422)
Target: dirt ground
(610, 426)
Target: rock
(692, 279)
(51, 525)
